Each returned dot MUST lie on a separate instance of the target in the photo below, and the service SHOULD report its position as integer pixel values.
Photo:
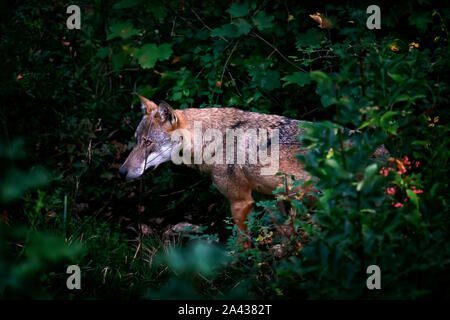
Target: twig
(167, 5)
(205, 25)
(308, 112)
(235, 84)
(138, 247)
(225, 66)
(172, 33)
(278, 51)
(103, 208)
(182, 190)
(126, 69)
(314, 50)
(199, 73)
(411, 122)
(260, 8)
(317, 58)
(272, 99)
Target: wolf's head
(153, 140)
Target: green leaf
(327, 100)
(271, 81)
(369, 172)
(150, 53)
(418, 96)
(122, 30)
(127, 4)
(312, 39)
(433, 189)
(366, 124)
(420, 20)
(265, 79)
(16, 182)
(146, 91)
(102, 52)
(413, 197)
(385, 117)
(177, 96)
(319, 77)
(157, 9)
(228, 31)
(165, 51)
(238, 10)
(397, 78)
(409, 99)
(243, 27)
(118, 60)
(299, 78)
(420, 143)
(262, 21)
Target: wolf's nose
(123, 171)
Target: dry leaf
(324, 22)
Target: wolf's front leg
(240, 208)
(234, 186)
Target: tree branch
(278, 51)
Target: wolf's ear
(165, 112)
(147, 105)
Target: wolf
(164, 132)
(236, 180)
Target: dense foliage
(68, 117)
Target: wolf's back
(231, 118)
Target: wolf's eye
(147, 142)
